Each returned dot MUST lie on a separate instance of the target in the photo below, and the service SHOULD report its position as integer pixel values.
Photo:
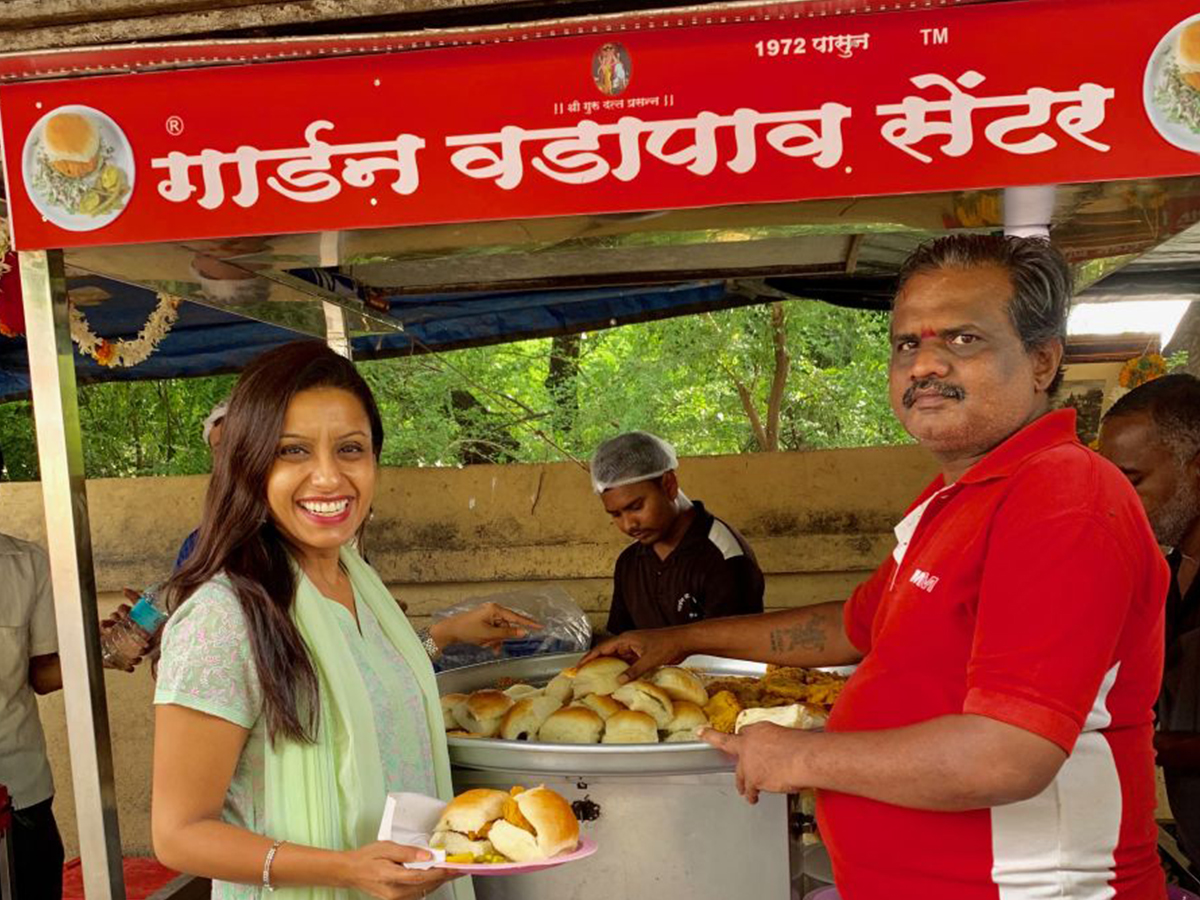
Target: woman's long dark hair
(239, 537)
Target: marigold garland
(108, 353)
(126, 353)
(1141, 369)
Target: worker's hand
(768, 757)
(378, 869)
(489, 625)
(643, 650)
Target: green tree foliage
(693, 380)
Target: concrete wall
(818, 521)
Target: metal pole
(64, 495)
(337, 338)
(1028, 211)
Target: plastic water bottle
(127, 639)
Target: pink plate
(585, 849)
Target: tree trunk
(766, 431)
(562, 381)
(783, 364)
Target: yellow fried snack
(513, 814)
(722, 710)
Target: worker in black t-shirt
(685, 564)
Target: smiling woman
(293, 694)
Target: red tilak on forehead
(928, 333)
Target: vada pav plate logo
(78, 168)
(1172, 85)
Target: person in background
(213, 426)
(996, 739)
(293, 694)
(29, 665)
(685, 564)
(212, 437)
(1152, 434)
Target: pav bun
(602, 704)
(680, 684)
(561, 686)
(1187, 55)
(523, 721)
(688, 717)
(599, 676)
(483, 712)
(555, 828)
(630, 727)
(71, 142)
(450, 703)
(647, 698)
(471, 811)
(573, 725)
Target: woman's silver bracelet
(429, 643)
(267, 886)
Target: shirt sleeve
(858, 615)
(1055, 594)
(619, 619)
(733, 587)
(207, 661)
(43, 633)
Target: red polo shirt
(1030, 591)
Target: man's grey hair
(1173, 404)
(1042, 281)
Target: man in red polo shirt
(995, 742)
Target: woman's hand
(377, 869)
(489, 625)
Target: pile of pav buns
(589, 705)
(585, 705)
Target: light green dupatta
(330, 793)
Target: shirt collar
(697, 531)
(1051, 430)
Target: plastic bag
(565, 626)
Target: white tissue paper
(410, 819)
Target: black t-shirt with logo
(711, 573)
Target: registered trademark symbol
(175, 125)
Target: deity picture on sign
(611, 69)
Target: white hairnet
(629, 458)
(215, 418)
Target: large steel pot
(667, 818)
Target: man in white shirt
(29, 665)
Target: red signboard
(1046, 91)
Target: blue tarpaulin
(206, 341)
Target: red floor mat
(143, 876)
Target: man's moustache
(931, 386)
